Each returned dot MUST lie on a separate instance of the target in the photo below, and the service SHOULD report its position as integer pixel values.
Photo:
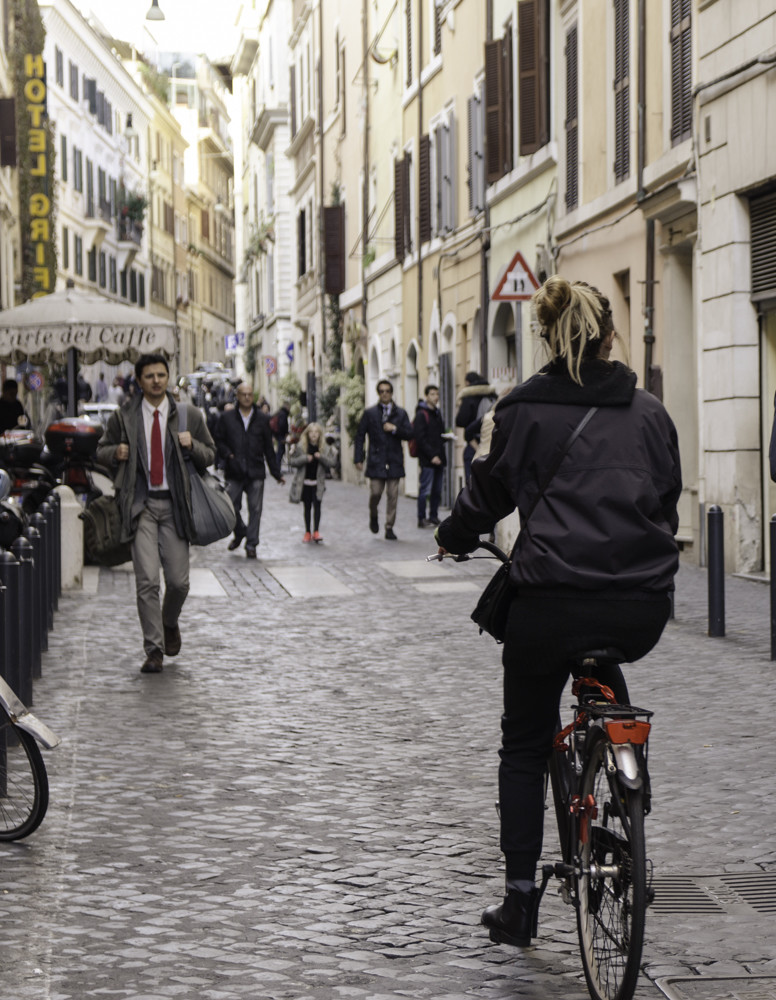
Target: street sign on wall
(233, 341)
(518, 283)
(270, 365)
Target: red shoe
(317, 536)
(307, 536)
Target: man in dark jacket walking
(387, 425)
(244, 442)
(474, 401)
(144, 446)
(279, 422)
(429, 430)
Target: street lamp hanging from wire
(154, 12)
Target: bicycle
(601, 791)
(24, 791)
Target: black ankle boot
(516, 920)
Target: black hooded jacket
(606, 522)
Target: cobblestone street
(302, 804)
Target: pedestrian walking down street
(386, 425)
(279, 427)
(429, 430)
(244, 443)
(101, 389)
(310, 458)
(597, 565)
(144, 447)
(474, 401)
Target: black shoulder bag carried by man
(492, 608)
(211, 506)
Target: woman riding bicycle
(595, 563)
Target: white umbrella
(99, 328)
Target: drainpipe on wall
(321, 268)
(650, 384)
(365, 191)
(485, 246)
(417, 158)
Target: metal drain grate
(718, 987)
(727, 893)
(758, 890)
(682, 894)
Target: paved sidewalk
(302, 804)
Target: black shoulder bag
(492, 608)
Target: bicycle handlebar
(482, 544)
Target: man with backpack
(429, 429)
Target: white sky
(189, 26)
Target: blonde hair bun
(574, 316)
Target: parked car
(99, 411)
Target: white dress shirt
(148, 424)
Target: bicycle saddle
(605, 657)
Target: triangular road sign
(518, 283)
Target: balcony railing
(129, 231)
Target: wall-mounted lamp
(130, 132)
(154, 12)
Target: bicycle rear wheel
(612, 884)
(23, 782)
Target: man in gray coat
(143, 445)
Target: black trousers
(312, 506)
(543, 636)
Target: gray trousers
(391, 487)
(157, 546)
(254, 494)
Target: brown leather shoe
(153, 664)
(172, 640)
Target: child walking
(310, 459)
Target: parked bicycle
(24, 792)
(601, 790)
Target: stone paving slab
(302, 804)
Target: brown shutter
(572, 120)
(681, 70)
(406, 185)
(533, 66)
(471, 125)
(334, 249)
(398, 209)
(424, 188)
(205, 224)
(7, 132)
(494, 129)
(292, 98)
(508, 101)
(621, 89)
(408, 13)
(437, 30)
(762, 213)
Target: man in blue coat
(387, 425)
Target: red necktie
(157, 459)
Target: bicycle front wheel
(23, 782)
(612, 882)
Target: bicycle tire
(611, 910)
(24, 790)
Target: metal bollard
(33, 537)
(716, 571)
(53, 499)
(9, 642)
(22, 549)
(38, 521)
(47, 511)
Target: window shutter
(448, 177)
(763, 222)
(407, 201)
(621, 89)
(681, 70)
(424, 188)
(7, 132)
(292, 97)
(494, 129)
(300, 244)
(507, 100)
(437, 29)
(533, 65)
(398, 209)
(334, 249)
(471, 125)
(205, 224)
(572, 120)
(408, 13)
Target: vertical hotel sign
(38, 255)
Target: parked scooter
(71, 443)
